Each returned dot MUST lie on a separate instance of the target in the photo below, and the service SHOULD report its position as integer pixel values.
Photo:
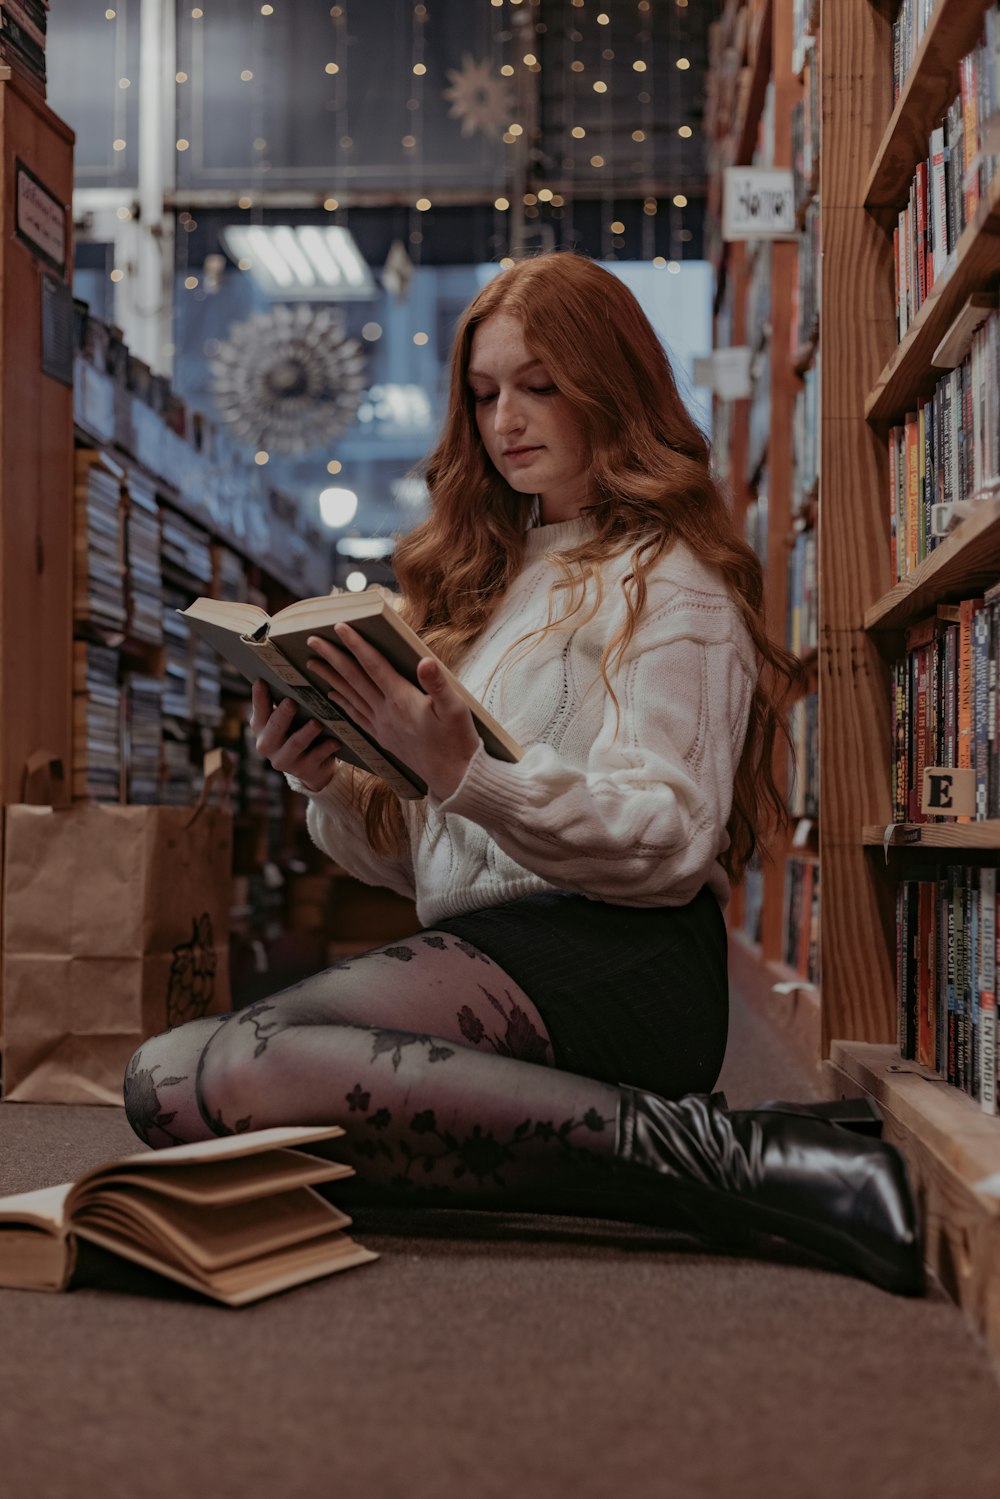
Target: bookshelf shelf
(909, 835)
(973, 267)
(952, 1149)
(966, 561)
(932, 81)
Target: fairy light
(685, 132)
(680, 201)
(420, 339)
(180, 77)
(501, 204)
(578, 133)
(334, 466)
(644, 136)
(117, 275)
(190, 282)
(261, 457)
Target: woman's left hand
(431, 731)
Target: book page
(203, 1238)
(45, 1207)
(217, 1182)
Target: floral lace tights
(437, 1065)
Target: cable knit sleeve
(337, 827)
(638, 817)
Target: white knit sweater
(637, 818)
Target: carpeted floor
(488, 1356)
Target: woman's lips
(520, 455)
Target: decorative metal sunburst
(288, 379)
(479, 98)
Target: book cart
(877, 369)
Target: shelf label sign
(758, 203)
(41, 220)
(948, 790)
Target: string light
(334, 466)
(683, 63)
(116, 274)
(420, 339)
(680, 201)
(501, 204)
(578, 132)
(180, 78)
(371, 332)
(685, 132)
(261, 458)
(190, 282)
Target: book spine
(920, 196)
(968, 82)
(987, 990)
(965, 690)
(980, 676)
(926, 973)
(972, 1045)
(911, 425)
(939, 217)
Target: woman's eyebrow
(485, 374)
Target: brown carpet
(488, 1356)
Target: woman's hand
(305, 755)
(430, 730)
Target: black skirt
(628, 995)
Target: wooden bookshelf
(36, 432)
(871, 380)
(869, 150)
(965, 562)
(930, 86)
(972, 267)
(952, 1151)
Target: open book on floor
(235, 1218)
(274, 647)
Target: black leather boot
(793, 1175)
(858, 1114)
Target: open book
(274, 647)
(235, 1218)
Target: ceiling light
(337, 507)
(317, 262)
(365, 548)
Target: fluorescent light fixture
(365, 548)
(337, 507)
(312, 261)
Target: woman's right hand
(304, 754)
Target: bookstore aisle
(863, 451)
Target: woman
(580, 571)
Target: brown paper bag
(116, 926)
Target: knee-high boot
(797, 1176)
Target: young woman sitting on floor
(550, 1037)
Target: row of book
(23, 29)
(949, 448)
(805, 439)
(946, 974)
(945, 706)
(806, 287)
(147, 696)
(803, 590)
(948, 186)
(801, 917)
(907, 30)
(805, 125)
(803, 778)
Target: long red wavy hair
(652, 479)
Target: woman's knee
(159, 1081)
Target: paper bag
(116, 926)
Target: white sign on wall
(758, 203)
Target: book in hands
(235, 1218)
(274, 647)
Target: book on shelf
(236, 1218)
(275, 648)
